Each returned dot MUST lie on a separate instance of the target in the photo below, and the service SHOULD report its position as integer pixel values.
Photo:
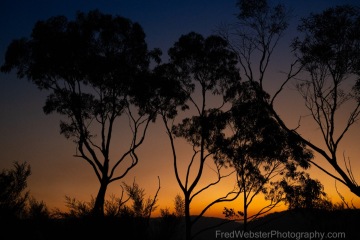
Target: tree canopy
(94, 68)
(329, 81)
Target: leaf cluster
(304, 192)
(92, 66)
(322, 47)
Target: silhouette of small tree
(141, 207)
(93, 68)
(179, 206)
(13, 194)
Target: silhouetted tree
(198, 68)
(141, 207)
(93, 68)
(328, 53)
(13, 194)
(179, 206)
(255, 36)
(326, 57)
(259, 150)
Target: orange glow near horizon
(56, 173)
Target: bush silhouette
(13, 196)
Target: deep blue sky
(162, 21)
(26, 134)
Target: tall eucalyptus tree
(199, 69)
(93, 68)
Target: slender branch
(290, 76)
(189, 167)
(153, 203)
(213, 183)
(169, 133)
(328, 173)
(219, 200)
(341, 196)
(131, 151)
(349, 170)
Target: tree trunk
(187, 219)
(98, 210)
(245, 212)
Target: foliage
(37, 210)
(329, 84)
(179, 206)
(259, 150)
(329, 59)
(255, 35)
(93, 68)
(115, 207)
(199, 68)
(13, 197)
(305, 193)
(264, 19)
(76, 209)
(108, 76)
(140, 207)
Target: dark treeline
(97, 69)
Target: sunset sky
(27, 134)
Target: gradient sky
(27, 134)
